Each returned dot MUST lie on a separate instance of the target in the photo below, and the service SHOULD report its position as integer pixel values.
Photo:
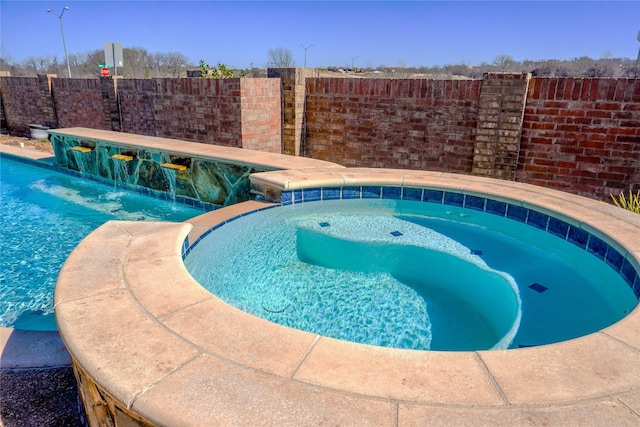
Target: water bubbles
(44, 216)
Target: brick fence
(575, 134)
(411, 124)
(582, 135)
(243, 113)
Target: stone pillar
(500, 113)
(293, 106)
(48, 105)
(108, 87)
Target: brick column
(293, 106)
(48, 106)
(500, 113)
(261, 114)
(108, 87)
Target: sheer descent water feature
(190, 178)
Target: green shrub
(219, 72)
(631, 204)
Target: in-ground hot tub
(419, 269)
(149, 344)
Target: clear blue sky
(366, 33)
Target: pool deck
(26, 153)
(161, 347)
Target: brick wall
(199, 110)
(231, 112)
(411, 124)
(578, 135)
(27, 100)
(582, 135)
(79, 103)
(136, 98)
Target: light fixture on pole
(305, 53)
(64, 44)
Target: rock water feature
(188, 179)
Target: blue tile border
(434, 196)
(538, 220)
(578, 237)
(558, 227)
(627, 272)
(371, 192)
(570, 233)
(614, 259)
(392, 193)
(311, 195)
(453, 199)
(331, 193)
(517, 213)
(597, 247)
(286, 197)
(495, 207)
(474, 202)
(409, 193)
(350, 192)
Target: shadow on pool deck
(37, 385)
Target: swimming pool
(45, 214)
(414, 275)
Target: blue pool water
(409, 275)
(45, 214)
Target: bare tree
(5, 58)
(85, 64)
(281, 58)
(93, 59)
(503, 62)
(37, 65)
(171, 64)
(137, 62)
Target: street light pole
(305, 53)
(64, 44)
(353, 60)
(638, 60)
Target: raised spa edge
(151, 346)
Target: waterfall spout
(122, 157)
(81, 149)
(174, 166)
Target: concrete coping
(233, 155)
(148, 335)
